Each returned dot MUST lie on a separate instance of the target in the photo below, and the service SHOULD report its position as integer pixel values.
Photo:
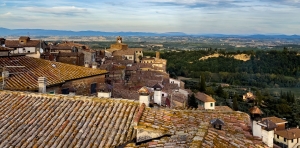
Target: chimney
(86, 64)
(42, 81)
(5, 74)
(94, 65)
(144, 96)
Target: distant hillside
(42, 32)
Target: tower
(157, 93)
(144, 96)
(157, 55)
(255, 114)
(119, 39)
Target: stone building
(22, 74)
(25, 46)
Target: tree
(202, 87)
(192, 101)
(235, 103)
(259, 98)
(210, 91)
(219, 91)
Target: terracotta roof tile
(35, 120)
(274, 119)
(26, 78)
(5, 48)
(255, 110)
(203, 97)
(191, 128)
(15, 43)
(293, 133)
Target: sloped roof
(269, 125)
(204, 97)
(255, 110)
(25, 78)
(5, 48)
(39, 120)
(217, 121)
(289, 134)
(191, 128)
(144, 90)
(157, 85)
(274, 119)
(123, 52)
(15, 43)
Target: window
(284, 139)
(292, 140)
(277, 136)
(65, 91)
(52, 92)
(93, 88)
(211, 104)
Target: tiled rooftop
(15, 43)
(40, 120)
(204, 97)
(191, 128)
(5, 48)
(293, 133)
(274, 119)
(25, 78)
(36, 120)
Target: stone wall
(82, 86)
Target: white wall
(144, 99)
(130, 57)
(157, 97)
(256, 129)
(21, 50)
(207, 105)
(174, 81)
(104, 94)
(267, 137)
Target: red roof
(25, 78)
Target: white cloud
(63, 10)
(7, 14)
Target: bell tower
(119, 39)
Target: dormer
(24, 39)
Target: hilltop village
(69, 95)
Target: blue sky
(189, 16)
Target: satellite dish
(41, 50)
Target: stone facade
(82, 86)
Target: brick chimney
(42, 81)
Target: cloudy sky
(189, 16)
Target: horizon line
(183, 33)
